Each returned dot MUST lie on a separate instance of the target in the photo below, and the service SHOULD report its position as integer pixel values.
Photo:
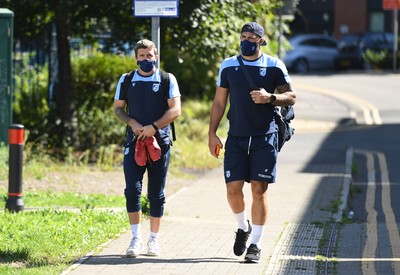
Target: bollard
(16, 145)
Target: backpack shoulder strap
(165, 83)
(252, 85)
(126, 83)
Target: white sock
(153, 235)
(135, 228)
(242, 221)
(256, 235)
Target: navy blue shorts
(251, 158)
(157, 175)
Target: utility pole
(395, 6)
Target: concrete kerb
(84, 258)
(347, 179)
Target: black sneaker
(253, 254)
(241, 239)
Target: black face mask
(146, 65)
(248, 48)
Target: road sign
(391, 4)
(155, 8)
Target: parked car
(310, 52)
(352, 47)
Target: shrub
(95, 81)
(31, 106)
(376, 59)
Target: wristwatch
(272, 99)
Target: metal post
(396, 33)
(53, 65)
(280, 34)
(155, 36)
(16, 144)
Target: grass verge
(48, 241)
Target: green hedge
(94, 83)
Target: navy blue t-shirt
(147, 102)
(245, 117)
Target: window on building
(377, 22)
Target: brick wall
(350, 17)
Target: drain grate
(296, 250)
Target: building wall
(350, 17)
(336, 17)
(314, 16)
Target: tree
(192, 45)
(33, 19)
(206, 32)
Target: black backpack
(283, 117)
(164, 88)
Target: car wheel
(301, 66)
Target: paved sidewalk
(197, 233)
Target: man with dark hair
(147, 111)
(251, 148)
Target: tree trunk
(64, 95)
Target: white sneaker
(153, 247)
(135, 247)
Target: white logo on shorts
(126, 151)
(228, 174)
(264, 176)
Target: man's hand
(146, 131)
(214, 145)
(260, 96)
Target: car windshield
(348, 43)
(389, 37)
(373, 39)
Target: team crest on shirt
(156, 87)
(263, 71)
(126, 151)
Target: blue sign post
(156, 9)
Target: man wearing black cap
(251, 148)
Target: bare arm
(121, 114)
(284, 96)
(217, 112)
(174, 110)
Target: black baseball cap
(254, 28)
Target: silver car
(310, 52)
